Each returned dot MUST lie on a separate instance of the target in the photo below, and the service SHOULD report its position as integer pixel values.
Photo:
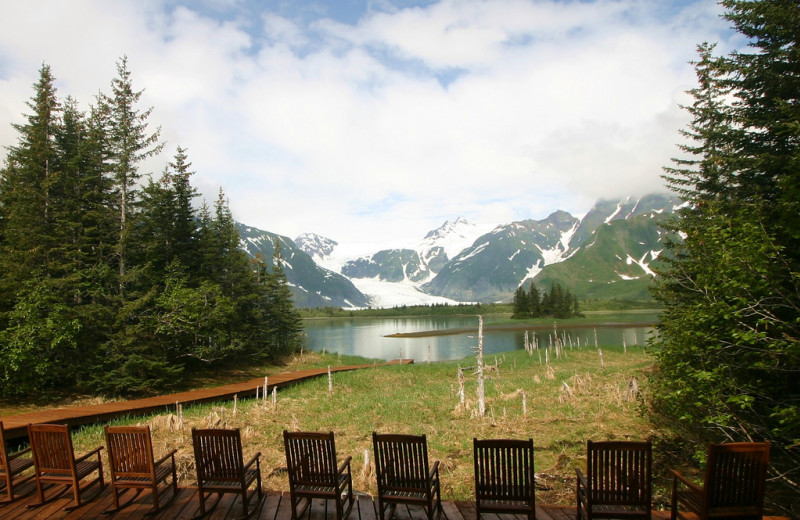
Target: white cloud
(494, 110)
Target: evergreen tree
(520, 304)
(27, 184)
(283, 319)
(130, 143)
(729, 353)
(185, 228)
(534, 302)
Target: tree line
(114, 283)
(729, 338)
(558, 302)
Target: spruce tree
(284, 320)
(27, 184)
(520, 304)
(130, 143)
(534, 302)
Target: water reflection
(367, 337)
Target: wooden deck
(185, 506)
(15, 425)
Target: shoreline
(513, 326)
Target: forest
(114, 282)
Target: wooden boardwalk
(186, 506)
(15, 425)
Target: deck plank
(275, 505)
(367, 508)
(451, 512)
(269, 506)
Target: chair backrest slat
(401, 461)
(736, 474)
(130, 450)
(218, 455)
(311, 458)
(619, 473)
(504, 469)
(52, 447)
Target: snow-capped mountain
(494, 265)
(317, 247)
(500, 261)
(447, 241)
(606, 253)
(418, 264)
(311, 285)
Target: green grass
(423, 398)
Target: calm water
(367, 337)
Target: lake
(369, 337)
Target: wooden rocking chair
(734, 484)
(504, 477)
(403, 476)
(221, 467)
(313, 472)
(54, 460)
(130, 455)
(617, 483)
(12, 465)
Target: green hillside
(614, 264)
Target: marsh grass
(602, 404)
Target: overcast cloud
(373, 122)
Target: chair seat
(505, 505)
(17, 465)
(162, 472)
(621, 510)
(82, 469)
(694, 501)
(249, 477)
(409, 495)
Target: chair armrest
(87, 455)
(252, 460)
(434, 474)
(679, 477)
(345, 464)
(581, 478)
(165, 457)
(582, 488)
(17, 454)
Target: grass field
(559, 405)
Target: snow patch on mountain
(453, 236)
(641, 263)
(317, 247)
(614, 214)
(394, 294)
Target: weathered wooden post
(481, 389)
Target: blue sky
(373, 121)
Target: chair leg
(76, 488)
(9, 487)
(40, 490)
(155, 497)
(202, 501)
(244, 503)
